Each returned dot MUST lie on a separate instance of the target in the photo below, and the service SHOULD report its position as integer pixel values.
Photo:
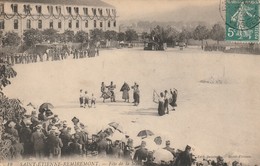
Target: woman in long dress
(125, 89)
(161, 108)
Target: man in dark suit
(141, 154)
(185, 157)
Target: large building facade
(76, 15)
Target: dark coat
(38, 140)
(184, 159)
(25, 137)
(54, 144)
(141, 154)
(161, 108)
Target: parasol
(162, 155)
(145, 133)
(116, 126)
(46, 105)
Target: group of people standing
(164, 100)
(108, 92)
(85, 100)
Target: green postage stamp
(242, 19)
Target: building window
(2, 24)
(76, 9)
(100, 12)
(50, 9)
(85, 11)
(94, 11)
(51, 23)
(108, 12)
(1, 8)
(114, 23)
(27, 9)
(95, 23)
(59, 24)
(15, 24)
(108, 24)
(86, 24)
(40, 24)
(77, 23)
(39, 9)
(58, 9)
(68, 10)
(14, 8)
(70, 23)
(28, 24)
(101, 24)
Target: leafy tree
(32, 37)
(110, 35)
(145, 35)
(184, 35)
(50, 35)
(81, 37)
(131, 35)
(67, 36)
(217, 33)
(160, 35)
(10, 110)
(201, 33)
(96, 35)
(11, 39)
(121, 36)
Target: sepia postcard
(129, 82)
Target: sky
(167, 10)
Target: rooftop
(98, 3)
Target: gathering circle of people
(45, 136)
(164, 99)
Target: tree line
(168, 35)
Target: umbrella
(116, 136)
(158, 140)
(116, 126)
(162, 155)
(46, 105)
(145, 133)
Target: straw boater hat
(39, 126)
(27, 122)
(11, 124)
